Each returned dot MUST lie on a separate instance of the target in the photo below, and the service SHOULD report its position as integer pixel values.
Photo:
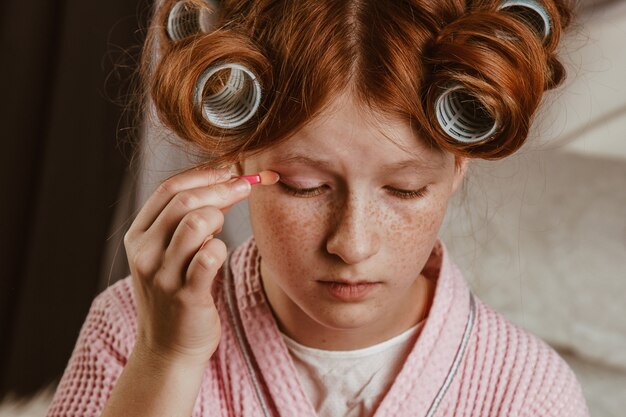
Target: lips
(349, 290)
(348, 281)
(341, 282)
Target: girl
(348, 125)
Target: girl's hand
(173, 260)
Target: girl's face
(351, 206)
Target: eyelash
(315, 191)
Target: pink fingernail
(252, 179)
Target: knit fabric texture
(504, 371)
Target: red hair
(396, 56)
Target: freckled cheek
(412, 230)
(412, 222)
(288, 230)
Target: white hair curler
(532, 12)
(236, 102)
(187, 18)
(463, 117)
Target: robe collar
(427, 369)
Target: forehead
(347, 134)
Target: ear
(460, 168)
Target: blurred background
(541, 236)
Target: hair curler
(236, 101)
(463, 117)
(187, 18)
(531, 12)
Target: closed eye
(408, 194)
(315, 191)
(302, 192)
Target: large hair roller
(188, 18)
(531, 12)
(459, 109)
(463, 117)
(228, 95)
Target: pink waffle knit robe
(504, 370)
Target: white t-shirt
(350, 383)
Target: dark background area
(65, 149)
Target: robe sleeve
(104, 344)
(559, 393)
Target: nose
(355, 235)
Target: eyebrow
(417, 164)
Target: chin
(346, 317)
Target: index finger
(172, 186)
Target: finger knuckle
(215, 175)
(181, 298)
(207, 260)
(187, 200)
(222, 191)
(195, 222)
(142, 263)
(129, 239)
(168, 187)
